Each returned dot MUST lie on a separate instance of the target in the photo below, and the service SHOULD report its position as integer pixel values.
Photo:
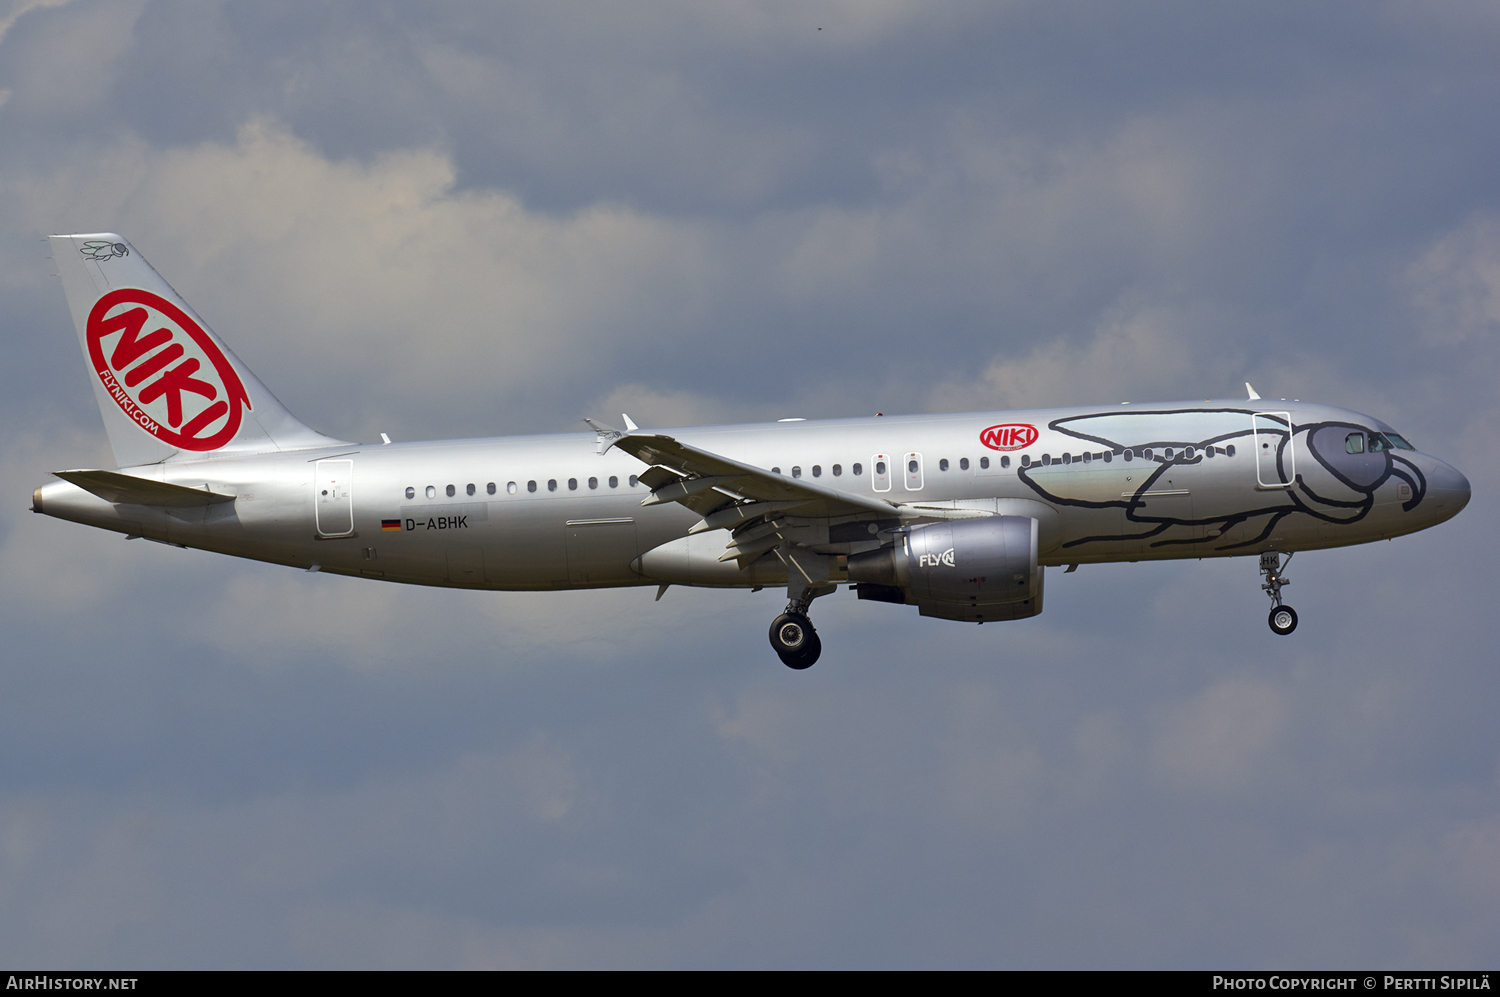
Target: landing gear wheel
(1283, 620)
(795, 641)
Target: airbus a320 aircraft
(958, 515)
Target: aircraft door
(880, 472)
(333, 498)
(1275, 459)
(913, 468)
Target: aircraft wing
(763, 511)
(718, 478)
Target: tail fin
(166, 386)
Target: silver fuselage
(550, 512)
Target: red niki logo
(174, 381)
(1012, 436)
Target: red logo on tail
(1012, 436)
(173, 381)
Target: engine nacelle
(968, 569)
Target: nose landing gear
(1283, 619)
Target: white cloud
(1133, 351)
(378, 275)
(21, 9)
(1456, 284)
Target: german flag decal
(387, 525)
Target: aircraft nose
(1447, 490)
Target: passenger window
(984, 462)
(838, 469)
(1005, 462)
(1046, 460)
(1025, 460)
(551, 484)
(489, 489)
(775, 470)
(1229, 450)
(432, 491)
(531, 486)
(1130, 455)
(614, 482)
(942, 464)
(817, 470)
(1086, 458)
(963, 463)
(1169, 453)
(797, 472)
(510, 487)
(858, 470)
(1189, 453)
(411, 493)
(1146, 454)
(633, 480)
(1354, 443)
(593, 483)
(469, 489)
(1109, 455)
(572, 484)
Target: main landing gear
(795, 640)
(792, 635)
(1283, 619)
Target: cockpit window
(1354, 443)
(1378, 442)
(1400, 442)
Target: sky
(438, 220)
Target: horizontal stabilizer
(127, 489)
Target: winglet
(1253, 396)
(630, 426)
(608, 435)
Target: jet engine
(969, 569)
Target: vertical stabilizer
(166, 385)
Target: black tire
(1283, 620)
(789, 633)
(812, 647)
(795, 641)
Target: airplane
(958, 515)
